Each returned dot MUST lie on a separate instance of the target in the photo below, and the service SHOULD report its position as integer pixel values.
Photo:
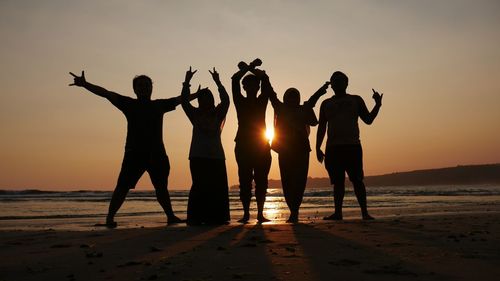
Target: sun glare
(269, 134)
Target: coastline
(402, 244)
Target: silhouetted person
(252, 149)
(144, 150)
(291, 141)
(343, 147)
(209, 197)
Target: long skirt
(293, 170)
(209, 198)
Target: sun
(269, 134)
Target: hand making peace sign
(189, 75)
(215, 75)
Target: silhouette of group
(208, 201)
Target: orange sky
(437, 63)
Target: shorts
(253, 165)
(135, 163)
(340, 159)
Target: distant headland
(459, 175)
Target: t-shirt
(251, 121)
(341, 114)
(144, 121)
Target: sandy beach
(437, 245)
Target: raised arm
(364, 114)
(236, 78)
(224, 97)
(315, 97)
(321, 133)
(186, 93)
(267, 88)
(80, 81)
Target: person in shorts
(144, 149)
(252, 150)
(338, 118)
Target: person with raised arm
(144, 149)
(252, 150)
(209, 196)
(338, 118)
(291, 141)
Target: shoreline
(432, 245)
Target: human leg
(302, 169)
(286, 181)
(356, 175)
(159, 170)
(293, 171)
(261, 170)
(338, 199)
(130, 173)
(360, 191)
(336, 170)
(117, 199)
(245, 176)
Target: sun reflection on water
(275, 209)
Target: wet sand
(431, 246)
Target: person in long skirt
(291, 141)
(208, 198)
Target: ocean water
(35, 209)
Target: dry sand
(444, 246)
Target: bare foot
(244, 219)
(174, 220)
(108, 224)
(333, 217)
(367, 217)
(293, 218)
(262, 219)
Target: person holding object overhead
(252, 150)
(144, 149)
(209, 197)
(338, 118)
(291, 141)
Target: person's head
(251, 85)
(143, 86)
(206, 99)
(339, 82)
(291, 97)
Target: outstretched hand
(78, 80)
(215, 75)
(189, 75)
(377, 97)
(320, 155)
(259, 73)
(256, 62)
(253, 64)
(324, 87)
